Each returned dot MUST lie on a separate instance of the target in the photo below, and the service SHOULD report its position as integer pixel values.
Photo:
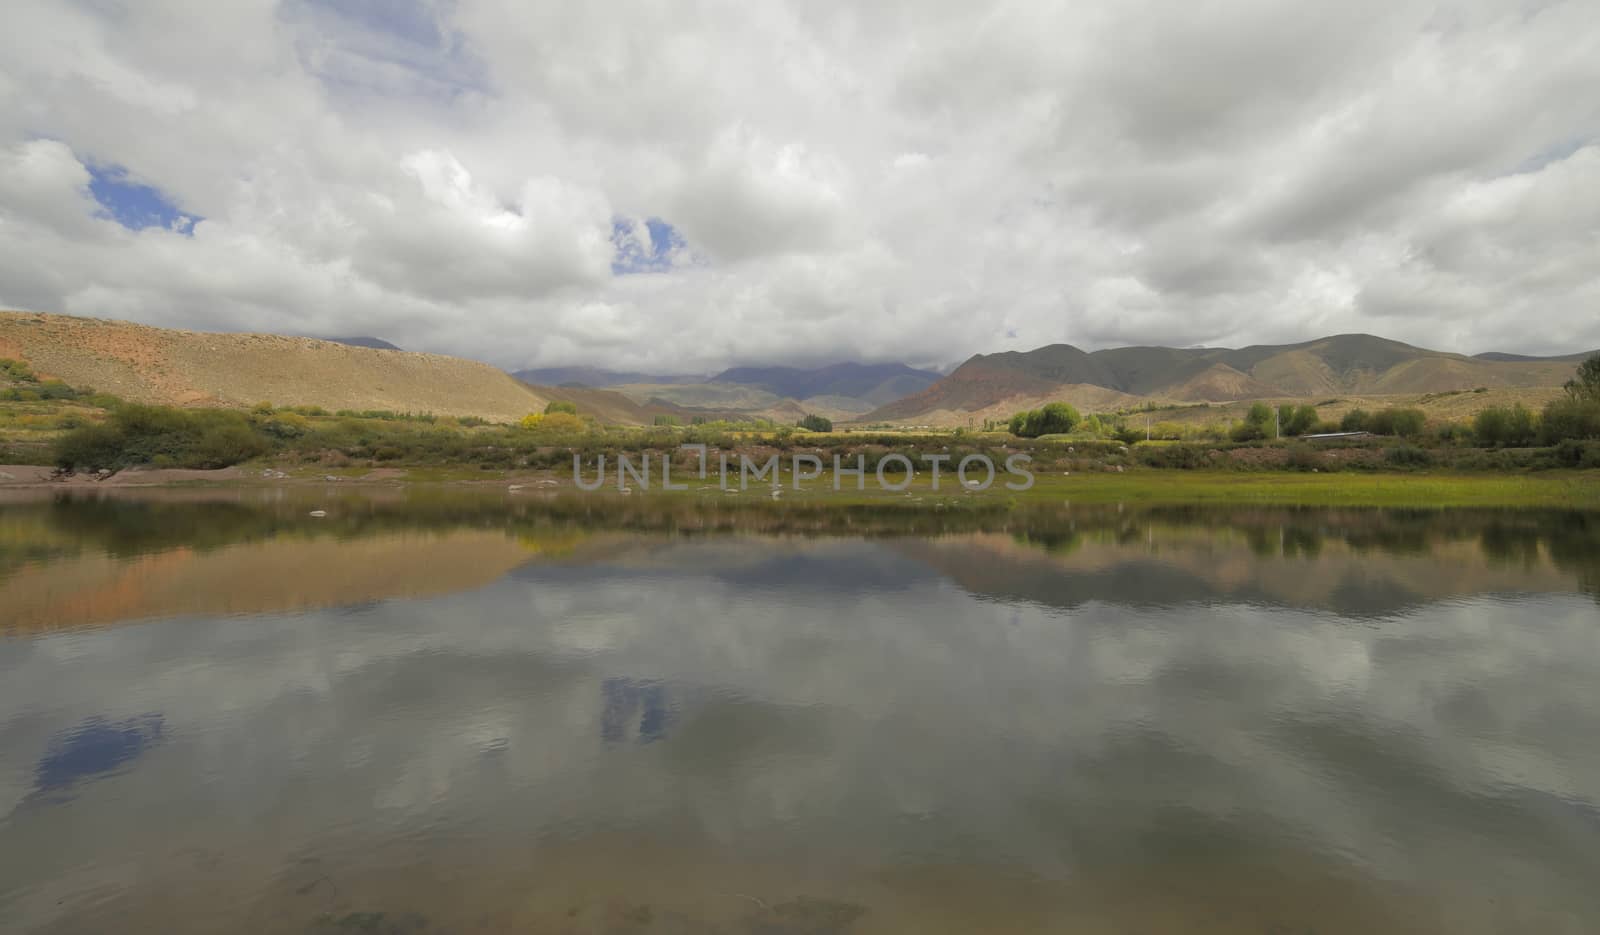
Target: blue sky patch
(95, 748)
(401, 49)
(133, 205)
(644, 249)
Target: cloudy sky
(682, 186)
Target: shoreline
(1570, 489)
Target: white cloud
(918, 182)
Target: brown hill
(1218, 382)
(1350, 364)
(194, 368)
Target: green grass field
(1577, 489)
(1573, 489)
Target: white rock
(319, 512)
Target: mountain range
(838, 391)
(990, 385)
(194, 368)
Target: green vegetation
(558, 405)
(1586, 385)
(1499, 427)
(1052, 419)
(1405, 423)
(1554, 489)
(22, 385)
(134, 434)
(1257, 424)
(1566, 419)
(1297, 420)
(79, 430)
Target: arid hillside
(193, 368)
(1351, 366)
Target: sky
(684, 186)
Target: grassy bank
(1568, 489)
(1574, 489)
(1557, 489)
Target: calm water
(493, 714)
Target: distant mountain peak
(875, 383)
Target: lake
(466, 712)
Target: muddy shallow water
(219, 714)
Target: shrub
(1186, 457)
(1407, 456)
(222, 444)
(816, 423)
(1578, 454)
(16, 371)
(560, 424)
(90, 447)
(1586, 385)
(1247, 431)
(55, 389)
(1303, 457)
(1499, 427)
(137, 434)
(1570, 419)
(1303, 420)
(1406, 423)
(286, 425)
(560, 405)
(1052, 419)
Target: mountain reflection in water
(488, 713)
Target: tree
(1356, 420)
(1406, 423)
(1491, 426)
(1305, 420)
(1052, 419)
(531, 420)
(1586, 385)
(1507, 428)
(1257, 424)
(561, 405)
(816, 423)
(1571, 418)
(1057, 418)
(1296, 420)
(558, 424)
